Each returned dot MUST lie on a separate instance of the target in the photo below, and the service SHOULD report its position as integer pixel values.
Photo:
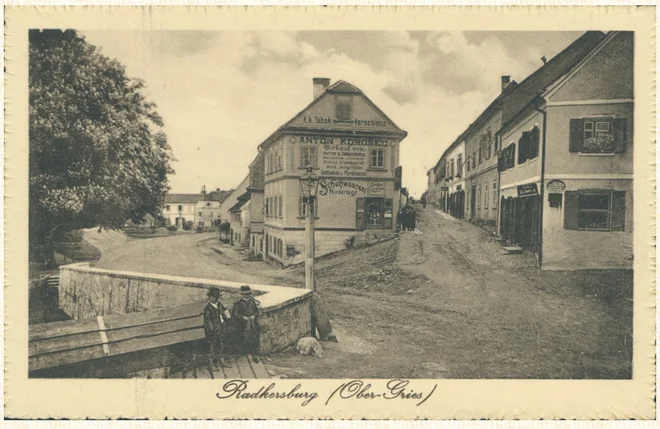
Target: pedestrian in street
(216, 317)
(245, 312)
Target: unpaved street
(441, 302)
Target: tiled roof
(343, 87)
(559, 65)
(219, 196)
(184, 198)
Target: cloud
(223, 93)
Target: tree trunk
(320, 320)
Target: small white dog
(309, 346)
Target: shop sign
(556, 187)
(340, 187)
(377, 188)
(528, 190)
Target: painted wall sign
(343, 141)
(528, 190)
(376, 188)
(326, 120)
(340, 187)
(555, 187)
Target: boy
(215, 316)
(245, 311)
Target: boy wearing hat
(215, 317)
(245, 311)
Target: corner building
(353, 147)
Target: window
(377, 158)
(481, 147)
(494, 194)
(594, 209)
(280, 206)
(474, 160)
(267, 206)
(302, 207)
(280, 157)
(344, 108)
(598, 135)
(308, 156)
(507, 158)
(208, 204)
(489, 143)
(168, 207)
(528, 145)
(180, 208)
(374, 213)
(199, 213)
(451, 168)
(459, 165)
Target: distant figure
(215, 317)
(424, 201)
(245, 312)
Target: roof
(184, 198)
(339, 87)
(219, 196)
(559, 65)
(242, 200)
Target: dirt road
(440, 302)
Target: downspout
(542, 190)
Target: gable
(364, 115)
(607, 75)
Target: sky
(222, 93)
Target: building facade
(353, 147)
(453, 201)
(573, 206)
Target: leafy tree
(98, 155)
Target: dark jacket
(245, 308)
(214, 320)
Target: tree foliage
(98, 155)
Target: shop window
(598, 135)
(377, 158)
(374, 213)
(303, 205)
(594, 210)
(308, 156)
(344, 108)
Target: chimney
(203, 189)
(217, 189)
(506, 80)
(320, 85)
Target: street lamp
(308, 186)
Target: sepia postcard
(330, 212)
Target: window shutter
(576, 136)
(534, 144)
(571, 210)
(359, 213)
(619, 135)
(300, 206)
(618, 210)
(521, 149)
(388, 207)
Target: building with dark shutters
(566, 163)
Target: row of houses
(203, 209)
(548, 165)
(352, 147)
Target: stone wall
(87, 292)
